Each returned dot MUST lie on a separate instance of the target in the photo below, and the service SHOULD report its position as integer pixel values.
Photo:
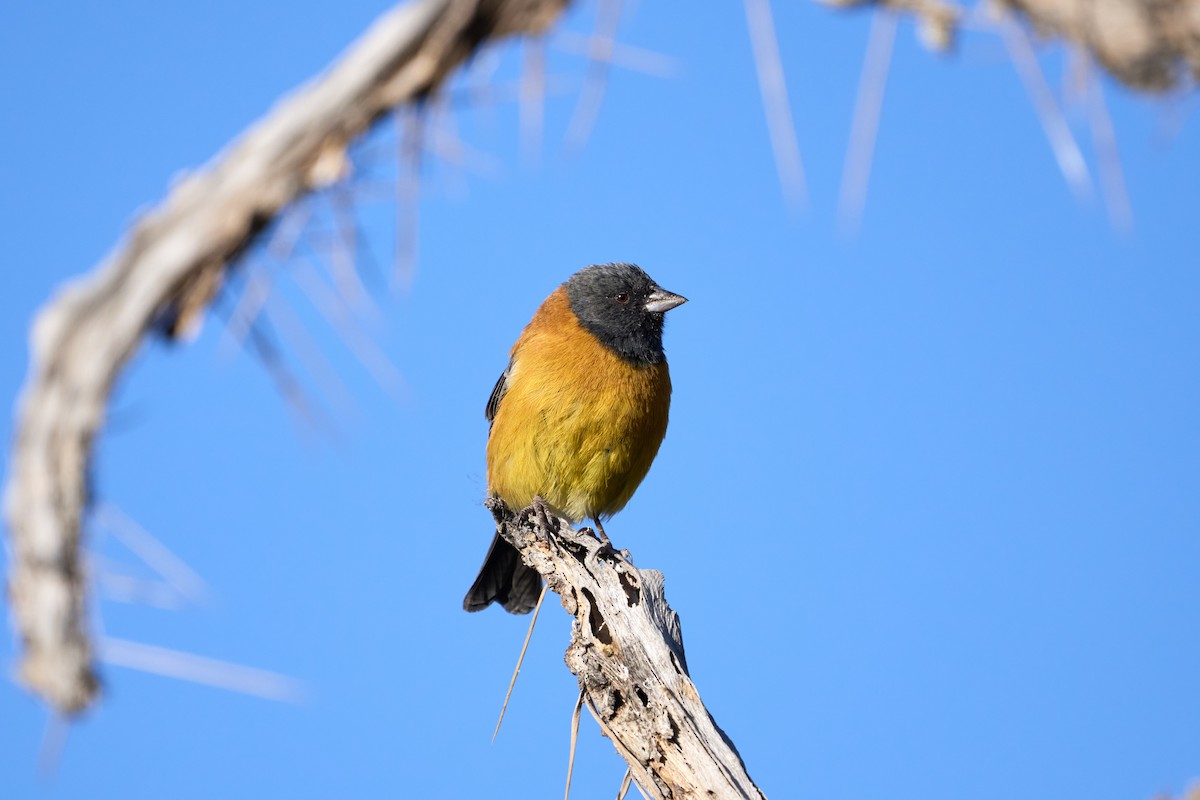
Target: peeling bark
(627, 651)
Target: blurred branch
(627, 651)
(162, 278)
(1150, 45)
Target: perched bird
(578, 415)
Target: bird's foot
(605, 542)
(543, 516)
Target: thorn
(624, 56)
(532, 101)
(408, 192)
(286, 384)
(181, 578)
(1112, 177)
(343, 253)
(1066, 150)
(301, 342)
(332, 306)
(628, 779)
(574, 741)
(868, 106)
(520, 659)
(198, 669)
(641, 791)
(241, 319)
(122, 588)
(600, 50)
(775, 101)
(54, 743)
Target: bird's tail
(504, 578)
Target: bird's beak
(661, 301)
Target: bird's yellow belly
(584, 453)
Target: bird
(578, 415)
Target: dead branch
(1151, 45)
(163, 276)
(627, 651)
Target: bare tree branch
(1148, 44)
(162, 278)
(1151, 45)
(627, 651)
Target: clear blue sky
(929, 505)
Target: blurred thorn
(153, 553)
(283, 241)
(1108, 157)
(532, 103)
(332, 307)
(263, 347)
(1066, 150)
(1176, 107)
(447, 144)
(623, 56)
(600, 48)
(444, 143)
(280, 247)
(775, 102)
(301, 342)
(201, 670)
(506, 92)
(574, 741)
(480, 83)
(1074, 79)
(122, 588)
(408, 193)
(343, 253)
(641, 791)
(241, 320)
(54, 744)
(868, 106)
(372, 190)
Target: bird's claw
(541, 514)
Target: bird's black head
(622, 307)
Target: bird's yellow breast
(577, 425)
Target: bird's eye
(621, 297)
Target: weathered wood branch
(1150, 45)
(627, 651)
(165, 274)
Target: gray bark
(627, 651)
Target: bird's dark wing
(493, 404)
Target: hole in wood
(633, 592)
(595, 620)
